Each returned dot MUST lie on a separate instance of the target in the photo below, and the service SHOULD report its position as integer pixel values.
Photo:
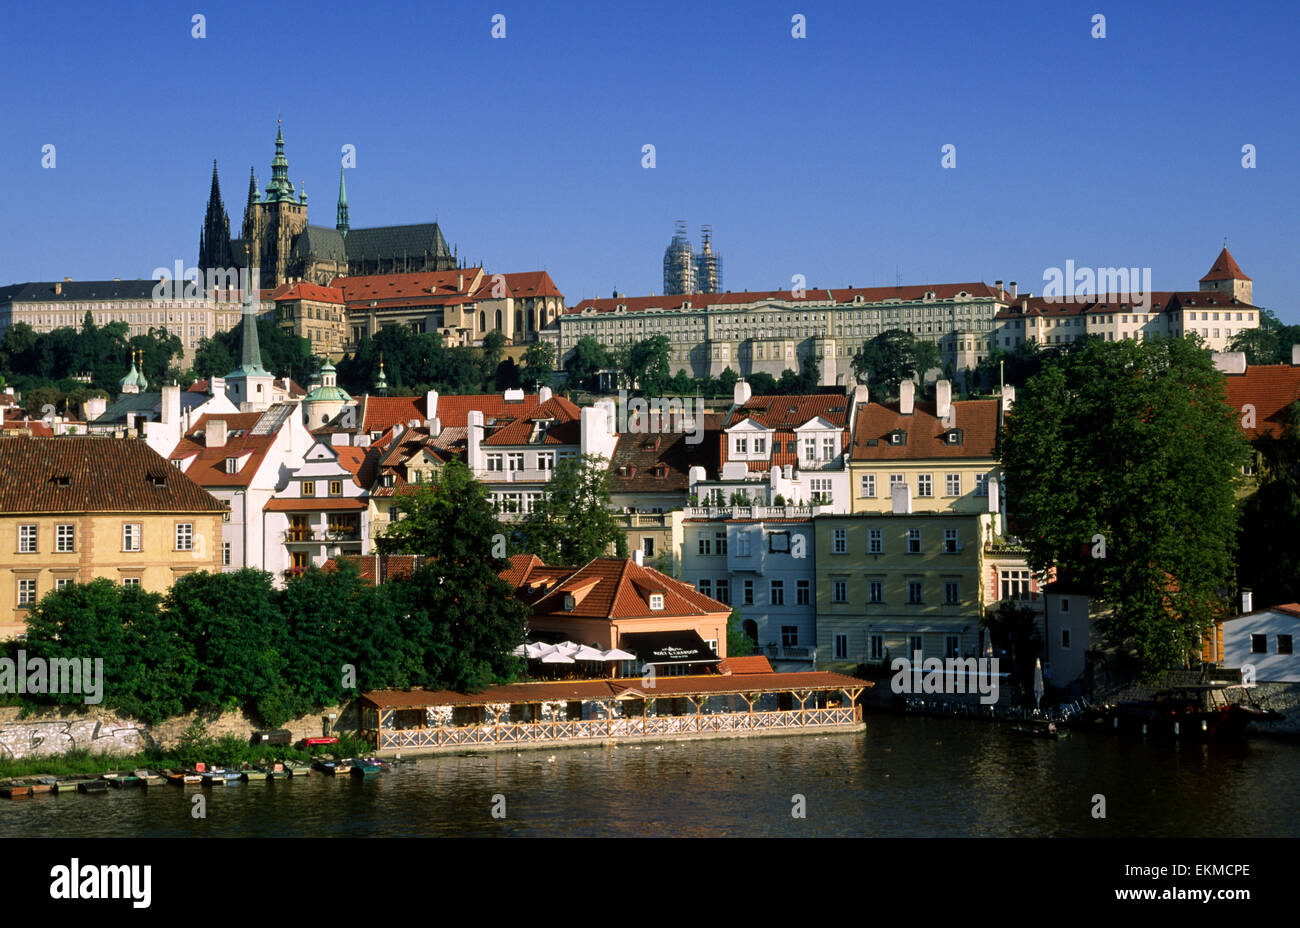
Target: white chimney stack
(1014, 289)
(475, 439)
(942, 398)
(1295, 355)
(431, 404)
(1247, 601)
(215, 436)
(543, 395)
(906, 397)
(1230, 362)
(171, 404)
(900, 497)
(639, 557)
(741, 394)
(1008, 398)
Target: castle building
(288, 248)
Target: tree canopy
(892, 357)
(572, 522)
(1121, 461)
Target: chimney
(215, 433)
(906, 397)
(942, 398)
(475, 439)
(171, 404)
(639, 557)
(998, 285)
(995, 489)
(431, 404)
(741, 394)
(543, 395)
(901, 499)
(1014, 289)
(1008, 398)
(434, 426)
(58, 289)
(217, 386)
(1295, 355)
(1247, 601)
(1230, 362)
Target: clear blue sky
(818, 156)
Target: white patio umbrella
(568, 647)
(614, 654)
(556, 656)
(521, 651)
(585, 653)
(1038, 682)
(536, 649)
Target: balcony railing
(791, 652)
(320, 536)
(748, 512)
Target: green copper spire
(279, 188)
(341, 223)
(381, 382)
(250, 351)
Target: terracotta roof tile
(1270, 388)
(977, 421)
(811, 296)
(208, 467)
(1225, 268)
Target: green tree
(1270, 343)
(1131, 444)
(1269, 553)
(587, 359)
(572, 522)
(725, 383)
(647, 365)
(738, 643)
(494, 349)
(887, 360)
(925, 355)
(539, 366)
(213, 359)
(83, 620)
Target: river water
(903, 776)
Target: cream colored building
(77, 508)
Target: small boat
(219, 776)
(14, 791)
(251, 774)
(296, 768)
(277, 771)
(92, 786)
(1051, 731)
(331, 767)
(365, 766)
(119, 780)
(149, 777)
(182, 777)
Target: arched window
(519, 320)
(498, 318)
(482, 321)
(750, 628)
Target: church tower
(341, 223)
(274, 221)
(1227, 277)
(249, 385)
(214, 238)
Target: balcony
(749, 512)
(644, 519)
(320, 536)
(521, 475)
(791, 652)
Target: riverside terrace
(629, 710)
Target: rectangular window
(841, 647)
(132, 533)
(749, 593)
(951, 592)
(720, 543)
(951, 645)
(27, 539)
(778, 542)
(802, 594)
(877, 588)
(64, 537)
(26, 592)
(895, 479)
(950, 545)
(309, 488)
(742, 545)
(705, 587)
(789, 636)
(810, 449)
(1065, 639)
(494, 463)
(840, 591)
(741, 446)
(722, 591)
(828, 448)
(868, 485)
(1259, 644)
(704, 545)
(913, 541)
(760, 445)
(777, 593)
(914, 591)
(875, 541)
(1015, 584)
(648, 546)
(1284, 644)
(952, 484)
(914, 645)
(515, 461)
(981, 484)
(336, 488)
(184, 536)
(877, 647)
(131, 581)
(546, 461)
(225, 554)
(924, 485)
(1065, 604)
(656, 601)
(840, 541)
(61, 582)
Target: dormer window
(953, 437)
(157, 480)
(656, 602)
(898, 437)
(570, 602)
(232, 465)
(61, 480)
(389, 480)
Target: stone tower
(1227, 277)
(214, 239)
(275, 220)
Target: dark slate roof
(98, 475)
(146, 406)
(79, 290)
(396, 241)
(320, 242)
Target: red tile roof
(1225, 268)
(754, 664)
(606, 588)
(208, 468)
(564, 430)
(660, 462)
(793, 411)
(383, 412)
(1270, 388)
(1161, 301)
(384, 566)
(811, 296)
(426, 287)
(976, 419)
(102, 475)
(316, 504)
(531, 284)
(301, 290)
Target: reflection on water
(903, 776)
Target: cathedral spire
(250, 351)
(252, 187)
(214, 238)
(341, 223)
(279, 188)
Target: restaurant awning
(680, 647)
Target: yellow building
(76, 508)
(944, 452)
(888, 585)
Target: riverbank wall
(53, 731)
